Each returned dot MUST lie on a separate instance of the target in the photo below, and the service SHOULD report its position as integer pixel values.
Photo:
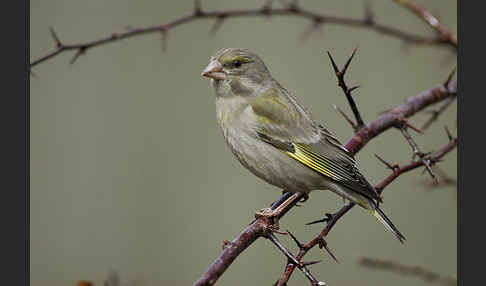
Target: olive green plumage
(275, 137)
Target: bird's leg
(272, 214)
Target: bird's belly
(271, 164)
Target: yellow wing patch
(304, 155)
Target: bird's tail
(380, 215)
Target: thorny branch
(347, 91)
(443, 107)
(444, 33)
(292, 9)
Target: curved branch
(221, 15)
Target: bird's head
(236, 65)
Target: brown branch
(418, 271)
(266, 11)
(444, 33)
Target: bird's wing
(280, 117)
(280, 125)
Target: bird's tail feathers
(380, 215)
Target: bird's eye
(236, 63)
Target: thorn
(163, 34)
(334, 66)
(323, 244)
(293, 5)
(55, 37)
(197, 8)
(346, 117)
(299, 244)
(449, 78)
(267, 7)
(311, 262)
(279, 232)
(389, 166)
(369, 15)
(449, 135)
(326, 219)
(217, 24)
(406, 46)
(313, 27)
(343, 71)
(317, 221)
(353, 88)
(408, 124)
(79, 52)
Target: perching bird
(275, 137)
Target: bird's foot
(304, 199)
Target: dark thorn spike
(299, 244)
(78, 53)
(334, 66)
(317, 221)
(55, 37)
(346, 117)
(323, 244)
(349, 61)
(384, 162)
(449, 135)
(353, 88)
(311, 262)
(449, 78)
(163, 34)
(217, 24)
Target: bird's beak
(215, 71)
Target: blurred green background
(129, 170)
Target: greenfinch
(274, 136)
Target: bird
(274, 136)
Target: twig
(431, 158)
(437, 112)
(266, 11)
(347, 91)
(444, 32)
(418, 271)
(418, 153)
(293, 260)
